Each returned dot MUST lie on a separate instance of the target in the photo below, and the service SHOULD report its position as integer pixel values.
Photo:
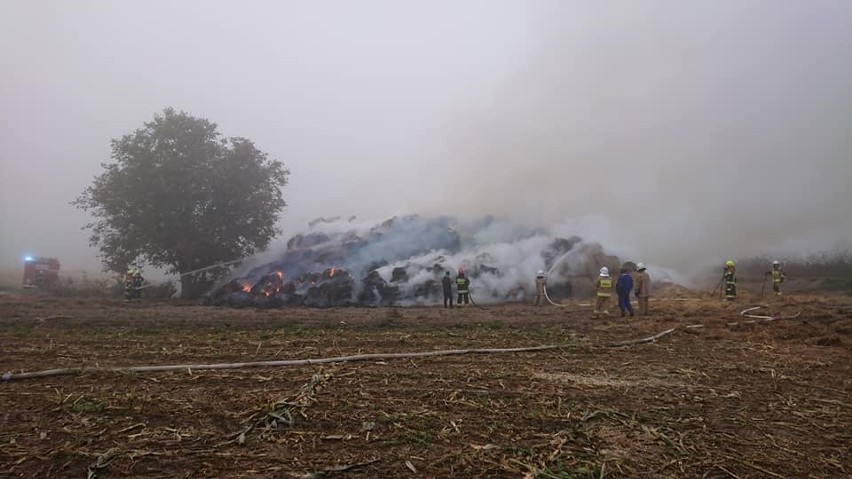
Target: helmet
(604, 271)
(776, 263)
(640, 266)
(447, 273)
(730, 262)
(540, 272)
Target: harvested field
(760, 399)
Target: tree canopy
(178, 195)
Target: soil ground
(766, 399)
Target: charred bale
(222, 296)
(559, 290)
(483, 269)
(557, 248)
(399, 275)
(437, 268)
(377, 291)
(628, 266)
(372, 267)
(240, 299)
(309, 240)
(429, 289)
(332, 292)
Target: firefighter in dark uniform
(447, 285)
(778, 276)
(462, 287)
(730, 279)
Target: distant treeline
(821, 265)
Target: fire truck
(40, 272)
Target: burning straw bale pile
(402, 260)
(333, 287)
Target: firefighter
(462, 287)
(604, 286)
(138, 280)
(730, 279)
(133, 283)
(643, 288)
(778, 276)
(540, 284)
(623, 288)
(447, 284)
(128, 283)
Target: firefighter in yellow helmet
(604, 287)
(730, 278)
(778, 277)
(133, 283)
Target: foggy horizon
(673, 133)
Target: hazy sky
(675, 132)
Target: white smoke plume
(403, 259)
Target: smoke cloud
(677, 133)
(402, 261)
(674, 133)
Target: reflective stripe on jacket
(604, 287)
(461, 284)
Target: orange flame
(331, 273)
(274, 283)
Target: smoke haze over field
(674, 133)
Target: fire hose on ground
(759, 318)
(9, 376)
(547, 296)
(470, 296)
(550, 300)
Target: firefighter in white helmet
(540, 284)
(778, 276)
(604, 287)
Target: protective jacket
(778, 275)
(462, 284)
(133, 284)
(604, 285)
(643, 284)
(540, 283)
(730, 278)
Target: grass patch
(836, 284)
(86, 406)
